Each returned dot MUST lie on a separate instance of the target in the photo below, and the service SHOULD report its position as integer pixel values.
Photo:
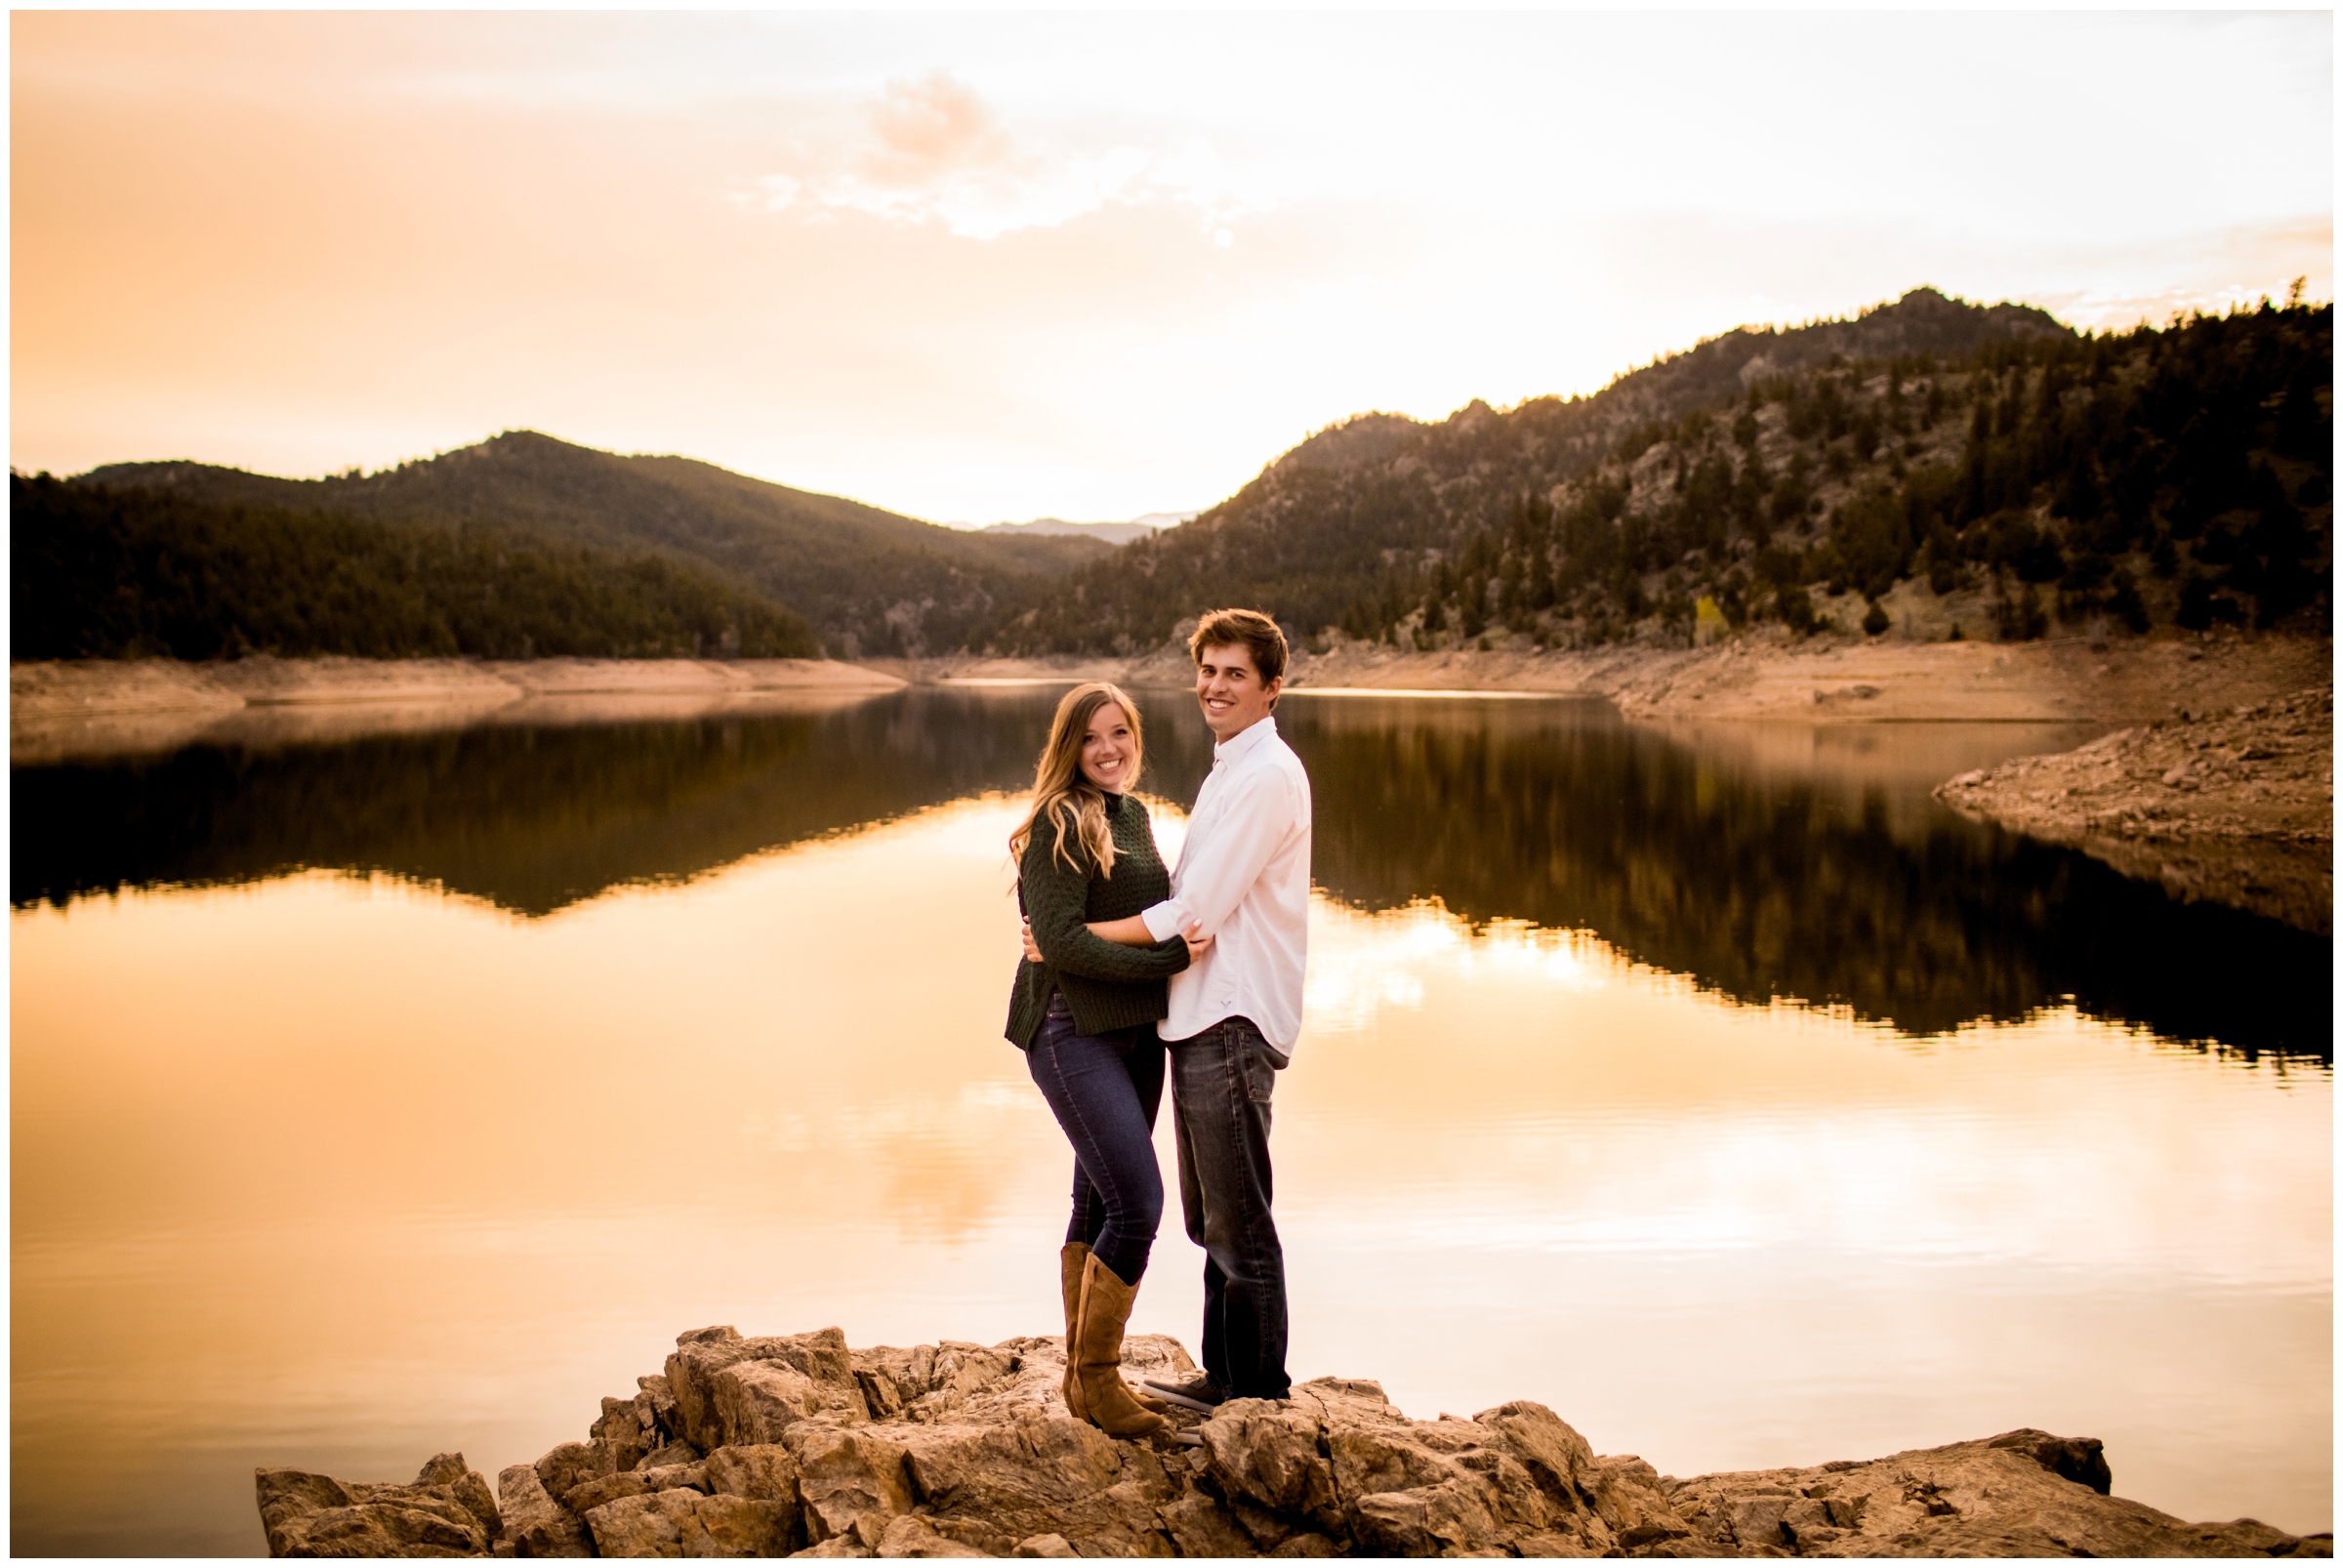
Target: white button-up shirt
(1244, 875)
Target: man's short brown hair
(1250, 630)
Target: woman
(1085, 1016)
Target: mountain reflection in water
(1764, 862)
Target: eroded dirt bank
(2234, 805)
(1761, 675)
(98, 708)
(1765, 673)
(1834, 680)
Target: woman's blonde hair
(1069, 802)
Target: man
(1243, 879)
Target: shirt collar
(1237, 750)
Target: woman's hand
(1033, 954)
(1197, 942)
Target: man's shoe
(1199, 1392)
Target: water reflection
(1772, 862)
(1762, 861)
(337, 1172)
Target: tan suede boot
(1100, 1315)
(1070, 1258)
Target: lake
(379, 1093)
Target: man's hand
(1033, 954)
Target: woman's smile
(1107, 749)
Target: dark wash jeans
(1221, 1084)
(1104, 1091)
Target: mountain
(870, 582)
(2181, 474)
(1113, 533)
(98, 572)
(2175, 475)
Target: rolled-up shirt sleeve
(1215, 875)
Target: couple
(1215, 952)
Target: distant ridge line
(1112, 533)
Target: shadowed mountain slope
(96, 572)
(871, 582)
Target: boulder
(629, 1430)
(1044, 1474)
(729, 1389)
(682, 1524)
(535, 1523)
(446, 1511)
(565, 1466)
(795, 1445)
(848, 1483)
(467, 1486)
(911, 1536)
(587, 1496)
(2024, 1494)
(763, 1470)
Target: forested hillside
(2179, 475)
(120, 573)
(871, 582)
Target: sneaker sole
(1173, 1398)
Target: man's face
(1230, 690)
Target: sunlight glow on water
(338, 1172)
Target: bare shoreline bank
(1818, 680)
(91, 708)
(2235, 806)
(1815, 681)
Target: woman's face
(1108, 748)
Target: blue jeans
(1104, 1091)
(1221, 1084)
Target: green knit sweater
(1108, 985)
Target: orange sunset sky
(979, 267)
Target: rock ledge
(796, 1446)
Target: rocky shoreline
(2236, 806)
(797, 1446)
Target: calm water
(1712, 1085)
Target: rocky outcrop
(448, 1511)
(797, 1446)
(2236, 806)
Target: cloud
(932, 151)
(935, 128)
